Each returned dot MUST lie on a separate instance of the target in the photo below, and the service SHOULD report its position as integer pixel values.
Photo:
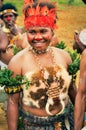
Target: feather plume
(44, 10)
(26, 2)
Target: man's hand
(13, 28)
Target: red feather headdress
(39, 16)
(26, 2)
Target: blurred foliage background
(19, 3)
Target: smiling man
(45, 101)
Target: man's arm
(13, 99)
(5, 53)
(80, 101)
(12, 112)
(72, 92)
(3, 41)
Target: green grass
(19, 3)
(75, 2)
(3, 96)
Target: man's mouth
(10, 23)
(39, 41)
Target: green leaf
(75, 56)
(61, 45)
(16, 49)
(7, 79)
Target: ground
(70, 18)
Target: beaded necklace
(45, 71)
(37, 53)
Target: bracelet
(12, 41)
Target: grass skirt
(57, 122)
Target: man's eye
(32, 32)
(43, 31)
(5, 16)
(8, 16)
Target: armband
(12, 89)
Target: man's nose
(8, 18)
(38, 36)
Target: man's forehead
(7, 14)
(39, 28)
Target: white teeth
(41, 41)
(38, 42)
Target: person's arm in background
(72, 92)
(80, 101)
(3, 41)
(5, 53)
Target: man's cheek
(29, 38)
(48, 37)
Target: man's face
(9, 19)
(1, 2)
(39, 37)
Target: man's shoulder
(61, 51)
(2, 33)
(83, 56)
(20, 57)
(22, 52)
(84, 53)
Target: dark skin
(78, 45)
(72, 92)
(2, 41)
(80, 102)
